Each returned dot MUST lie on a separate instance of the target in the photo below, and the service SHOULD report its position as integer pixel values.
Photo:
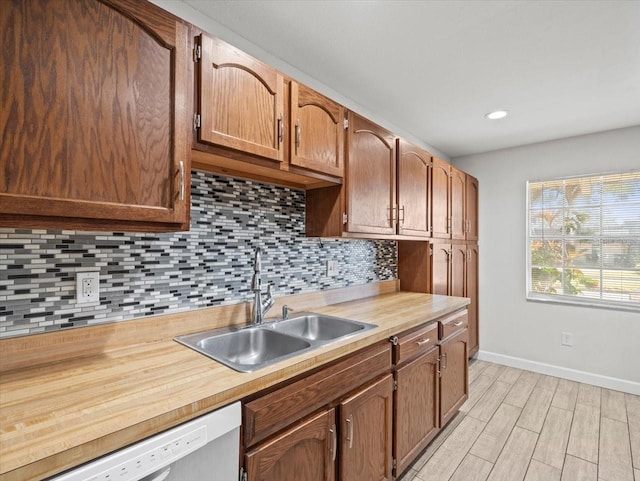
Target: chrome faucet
(260, 308)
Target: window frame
(562, 298)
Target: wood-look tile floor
(523, 426)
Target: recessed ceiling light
(496, 114)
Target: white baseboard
(616, 384)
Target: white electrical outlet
(332, 268)
(567, 339)
(87, 287)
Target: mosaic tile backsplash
(148, 274)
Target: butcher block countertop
(66, 398)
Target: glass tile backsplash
(211, 264)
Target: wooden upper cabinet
(241, 101)
(370, 177)
(366, 425)
(440, 269)
(471, 208)
(441, 199)
(414, 177)
(458, 221)
(316, 131)
(306, 452)
(457, 270)
(94, 117)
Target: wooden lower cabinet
(366, 433)
(304, 453)
(416, 410)
(454, 384)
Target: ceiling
(434, 68)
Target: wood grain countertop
(59, 414)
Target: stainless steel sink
(255, 347)
(246, 350)
(318, 327)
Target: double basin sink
(255, 347)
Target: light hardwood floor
(523, 426)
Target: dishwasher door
(204, 449)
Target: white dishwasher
(204, 449)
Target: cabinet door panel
(90, 121)
(458, 191)
(414, 172)
(440, 198)
(241, 101)
(471, 208)
(454, 386)
(416, 407)
(303, 453)
(440, 261)
(458, 275)
(370, 177)
(472, 293)
(366, 423)
(317, 131)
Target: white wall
(606, 342)
(188, 13)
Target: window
(583, 240)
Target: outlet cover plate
(87, 287)
(567, 338)
(332, 268)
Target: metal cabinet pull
(422, 342)
(459, 323)
(181, 196)
(401, 218)
(334, 442)
(444, 356)
(280, 129)
(350, 433)
(297, 134)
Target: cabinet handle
(459, 323)
(334, 442)
(444, 356)
(390, 216)
(181, 180)
(350, 433)
(401, 218)
(422, 342)
(280, 129)
(297, 135)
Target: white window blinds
(583, 240)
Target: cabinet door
(371, 177)
(241, 101)
(440, 263)
(306, 452)
(317, 131)
(93, 117)
(458, 191)
(454, 385)
(458, 274)
(416, 408)
(441, 199)
(365, 424)
(472, 293)
(471, 208)
(414, 173)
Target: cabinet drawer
(415, 342)
(278, 409)
(453, 323)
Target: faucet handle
(285, 311)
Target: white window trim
(558, 298)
